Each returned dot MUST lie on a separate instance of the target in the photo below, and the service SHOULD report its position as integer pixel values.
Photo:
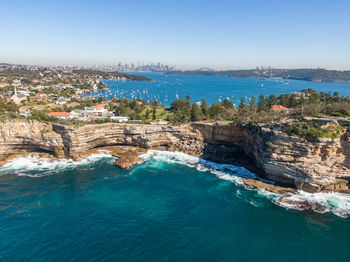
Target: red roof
(99, 106)
(278, 108)
(59, 114)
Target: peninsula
(319, 75)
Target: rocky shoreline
(291, 163)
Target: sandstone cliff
(322, 164)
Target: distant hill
(111, 74)
(320, 75)
(205, 69)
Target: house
(38, 98)
(279, 108)
(94, 111)
(100, 106)
(100, 110)
(120, 119)
(61, 100)
(88, 111)
(8, 100)
(18, 98)
(73, 104)
(61, 115)
(77, 113)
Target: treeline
(107, 75)
(304, 103)
(322, 75)
(252, 110)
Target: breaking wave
(336, 203)
(223, 171)
(33, 166)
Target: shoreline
(287, 161)
(127, 157)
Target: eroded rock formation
(319, 165)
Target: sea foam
(336, 203)
(34, 166)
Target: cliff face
(19, 136)
(322, 164)
(287, 160)
(78, 140)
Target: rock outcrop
(318, 165)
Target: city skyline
(187, 35)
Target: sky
(186, 34)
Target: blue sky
(186, 34)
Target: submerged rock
(268, 187)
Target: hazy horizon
(187, 34)
(176, 68)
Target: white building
(120, 119)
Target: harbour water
(172, 207)
(166, 88)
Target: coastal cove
(55, 202)
(165, 88)
(282, 163)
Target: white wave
(222, 171)
(336, 203)
(33, 166)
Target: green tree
(262, 104)
(215, 111)
(182, 110)
(227, 103)
(252, 105)
(196, 113)
(272, 100)
(292, 101)
(154, 116)
(314, 97)
(242, 103)
(204, 108)
(284, 100)
(147, 114)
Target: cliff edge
(318, 165)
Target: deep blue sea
(172, 207)
(166, 88)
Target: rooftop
(59, 114)
(278, 108)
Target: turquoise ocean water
(166, 88)
(172, 207)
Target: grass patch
(161, 113)
(312, 129)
